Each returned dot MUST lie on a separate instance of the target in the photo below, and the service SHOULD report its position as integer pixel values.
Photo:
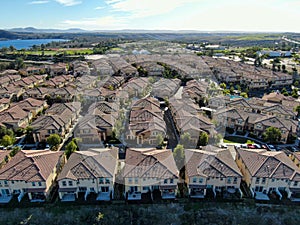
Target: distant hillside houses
(274, 54)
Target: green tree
(70, 148)
(203, 139)
(272, 135)
(7, 140)
(297, 109)
(249, 142)
(185, 139)
(226, 91)
(223, 85)
(12, 48)
(179, 156)
(54, 140)
(244, 95)
(19, 63)
(159, 140)
(296, 83)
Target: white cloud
(68, 2)
(145, 8)
(99, 7)
(106, 22)
(38, 2)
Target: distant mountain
(8, 35)
(35, 30)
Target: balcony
(103, 196)
(136, 195)
(197, 191)
(168, 191)
(5, 198)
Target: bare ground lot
(170, 213)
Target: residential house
(195, 90)
(29, 172)
(269, 174)
(212, 172)
(145, 123)
(137, 86)
(32, 105)
(15, 117)
(57, 69)
(151, 173)
(165, 88)
(46, 125)
(4, 104)
(295, 157)
(189, 119)
(86, 172)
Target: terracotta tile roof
(210, 162)
(150, 163)
(90, 164)
(262, 163)
(29, 104)
(30, 166)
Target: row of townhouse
(255, 78)
(30, 173)
(20, 114)
(150, 174)
(146, 122)
(64, 94)
(269, 174)
(256, 115)
(189, 119)
(195, 90)
(165, 88)
(137, 86)
(59, 119)
(97, 125)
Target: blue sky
(203, 15)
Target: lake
(19, 44)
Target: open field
(171, 213)
(50, 52)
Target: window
(64, 183)
(12, 182)
(40, 184)
(104, 189)
(107, 181)
(92, 189)
(194, 180)
(5, 182)
(136, 180)
(229, 180)
(257, 180)
(70, 183)
(101, 180)
(129, 180)
(146, 188)
(263, 180)
(201, 180)
(273, 179)
(171, 181)
(235, 180)
(165, 181)
(33, 183)
(295, 183)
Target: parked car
(257, 145)
(271, 147)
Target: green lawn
(235, 140)
(55, 52)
